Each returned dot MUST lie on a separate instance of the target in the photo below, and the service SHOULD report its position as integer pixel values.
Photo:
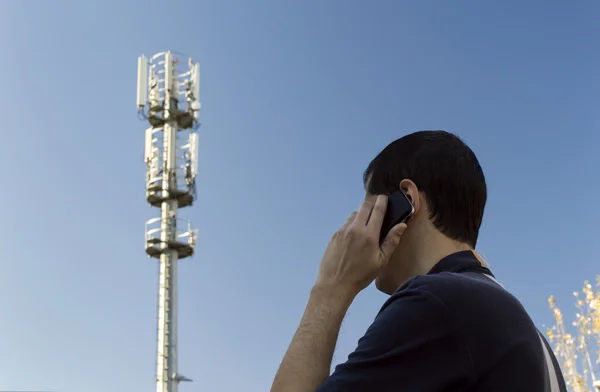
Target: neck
(437, 246)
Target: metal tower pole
(170, 185)
(167, 319)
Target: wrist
(334, 294)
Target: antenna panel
(148, 145)
(142, 82)
(169, 82)
(196, 81)
(196, 90)
(194, 152)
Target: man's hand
(354, 257)
(351, 262)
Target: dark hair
(445, 170)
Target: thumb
(391, 241)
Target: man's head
(443, 179)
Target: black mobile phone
(399, 210)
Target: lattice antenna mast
(168, 98)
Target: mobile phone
(399, 210)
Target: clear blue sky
(297, 98)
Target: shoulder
(493, 323)
(468, 328)
(412, 334)
(420, 311)
(416, 308)
(472, 298)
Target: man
(448, 325)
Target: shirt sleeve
(414, 345)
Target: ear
(411, 191)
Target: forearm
(307, 361)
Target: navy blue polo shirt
(453, 329)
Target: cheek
(396, 258)
(391, 269)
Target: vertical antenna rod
(169, 100)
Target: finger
(349, 221)
(378, 213)
(391, 241)
(364, 212)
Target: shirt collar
(463, 261)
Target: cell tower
(168, 91)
